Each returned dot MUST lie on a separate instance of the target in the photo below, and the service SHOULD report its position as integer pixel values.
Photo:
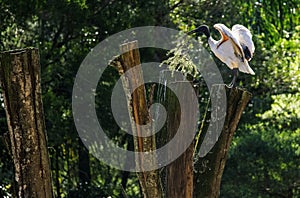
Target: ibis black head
(203, 29)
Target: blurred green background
(264, 159)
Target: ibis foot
(235, 72)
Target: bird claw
(231, 85)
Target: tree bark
(21, 84)
(210, 167)
(137, 106)
(179, 174)
(180, 178)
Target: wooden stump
(180, 178)
(179, 97)
(21, 84)
(180, 173)
(140, 116)
(210, 167)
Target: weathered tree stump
(139, 112)
(21, 84)
(210, 167)
(180, 178)
(180, 173)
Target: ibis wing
(240, 39)
(238, 51)
(245, 68)
(226, 33)
(244, 37)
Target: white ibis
(235, 48)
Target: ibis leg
(235, 72)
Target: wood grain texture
(210, 167)
(21, 84)
(135, 92)
(180, 120)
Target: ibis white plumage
(235, 48)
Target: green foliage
(285, 109)
(180, 60)
(264, 159)
(270, 153)
(281, 63)
(65, 31)
(6, 174)
(268, 144)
